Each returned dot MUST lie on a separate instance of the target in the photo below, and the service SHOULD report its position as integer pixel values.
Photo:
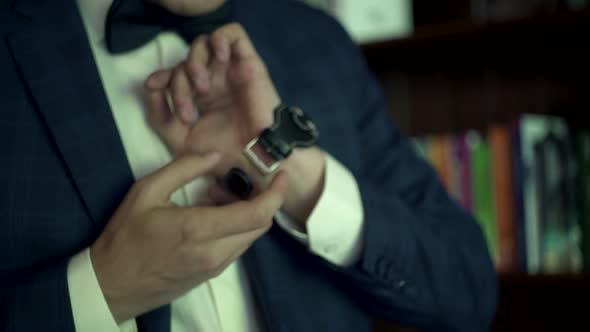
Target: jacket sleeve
(425, 262)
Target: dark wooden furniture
(458, 75)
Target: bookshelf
(447, 71)
(460, 75)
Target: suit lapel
(56, 62)
(57, 65)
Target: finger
(219, 51)
(221, 47)
(220, 196)
(158, 80)
(181, 171)
(159, 112)
(270, 201)
(214, 256)
(235, 33)
(182, 95)
(241, 49)
(196, 65)
(234, 246)
(243, 216)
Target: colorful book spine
(438, 157)
(504, 197)
(528, 187)
(464, 163)
(483, 191)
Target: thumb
(180, 172)
(266, 204)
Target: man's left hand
(227, 81)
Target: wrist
(305, 170)
(113, 291)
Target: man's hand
(152, 251)
(225, 78)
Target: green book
(483, 190)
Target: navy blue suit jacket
(63, 171)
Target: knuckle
(192, 68)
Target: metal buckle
(257, 162)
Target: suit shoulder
(298, 22)
(316, 22)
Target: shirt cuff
(335, 226)
(89, 307)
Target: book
(504, 197)
(527, 186)
(454, 185)
(438, 158)
(558, 210)
(463, 155)
(482, 190)
(531, 128)
(547, 224)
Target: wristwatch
(292, 128)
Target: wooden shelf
(459, 76)
(463, 75)
(542, 303)
(467, 40)
(547, 279)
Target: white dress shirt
(224, 303)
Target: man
(109, 226)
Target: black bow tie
(133, 23)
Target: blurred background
(493, 93)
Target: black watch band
(292, 128)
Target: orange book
(500, 143)
(438, 150)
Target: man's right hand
(153, 251)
